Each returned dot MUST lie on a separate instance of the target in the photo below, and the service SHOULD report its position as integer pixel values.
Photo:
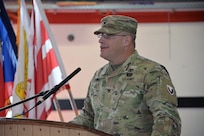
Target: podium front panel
(28, 127)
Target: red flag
(2, 100)
(47, 70)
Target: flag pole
(57, 106)
(44, 18)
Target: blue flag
(8, 57)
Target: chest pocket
(123, 94)
(115, 93)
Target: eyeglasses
(108, 36)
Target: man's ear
(127, 40)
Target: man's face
(111, 46)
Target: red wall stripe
(142, 17)
(88, 17)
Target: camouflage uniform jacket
(136, 99)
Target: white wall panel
(187, 64)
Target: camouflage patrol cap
(113, 24)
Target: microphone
(57, 87)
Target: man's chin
(103, 56)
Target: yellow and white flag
(24, 77)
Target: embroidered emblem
(170, 89)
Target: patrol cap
(113, 24)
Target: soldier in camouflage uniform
(131, 95)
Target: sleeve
(162, 102)
(86, 117)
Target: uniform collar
(123, 68)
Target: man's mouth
(103, 47)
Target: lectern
(29, 127)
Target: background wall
(178, 46)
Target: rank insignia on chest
(128, 79)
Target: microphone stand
(25, 100)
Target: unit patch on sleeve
(170, 89)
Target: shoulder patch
(170, 89)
